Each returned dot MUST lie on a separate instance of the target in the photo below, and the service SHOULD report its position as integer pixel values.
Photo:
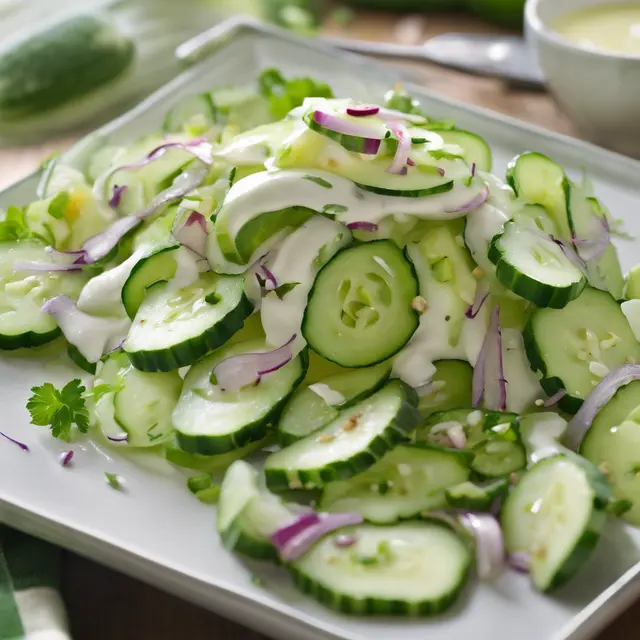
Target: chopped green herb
(58, 205)
(384, 550)
(285, 288)
(210, 495)
(384, 487)
(153, 436)
(334, 209)
(400, 100)
(199, 482)
(619, 507)
(257, 580)
(50, 159)
(367, 561)
(13, 226)
(320, 181)
(59, 409)
(232, 175)
(212, 298)
(441, 154)
(194, 198)
(113, 479)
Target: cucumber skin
(187, 352)
(27, 340)
(253, 432)
(540, 293)
(60, 65)
(413, 193)
(78, 359)
(550, 384)
(586, 543)
(237, 540)
(350, 143)
(398, 430)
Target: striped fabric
(30, 604)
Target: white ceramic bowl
(600, 91)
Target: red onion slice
(245, 369)
(270, 280)
(283, 535)
(363, 110)
(555, 398)
(592, 404)
(192, 233)
(571, 254)
(363, 225)
(22, 445)
(32, 265)
(116, 196)
(100, 245)
(473, 170)
(480, 298)
(592, 248)
(123, 437)
(399, 163)
(303, 541)
(520, 562)
(393, 115)
(488, 382)
(474, 203)
(344, 540)
(371, 134)
(65, 458)
(410, 162)
(490, 551)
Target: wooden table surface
(105, 605)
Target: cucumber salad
(436, 365)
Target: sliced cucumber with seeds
(411, 569)
(555, 515)
(533, 266)
(492, 437)
(210, 421)
(613, 445)
(138, 404)
(307, 410)
(193, 115)
(471, 496)
(450, 387)
(349, 444)
(359, 311)
(248, 515)
(409, 479)
(174, 328)
(476, 150)
(575, 347)
(539, 180)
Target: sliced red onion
(245, 369)
(22, 445)
(457, 436)
(65, 458)
(480, 298)
(520, 562)
(362, 110)
(592, 248)
(32, 265)
(474, 203)
(490, 552)
(398, 165)
(270, 280)
(283, 535)
(555, 398)
(371, 134)
(100, 245)
(473, 170)
(192, 233)
(363, 225)
(410, 162)
(303, 541)
(392, 114)
(488, 374)
(592, 404)
(345, 540)
(116, 196)
(122, 437)
(572, 255)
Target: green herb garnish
(113, 479)
(285, 288)
(200, 482)
(58, 205)
(13, 226)
(320, 181)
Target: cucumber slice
(539, 180)
(211, 421)
(477, 497)
(476, 150)
(22, 294)
(613, 445)
(479, 230)
(450, 387)
(174, 328)
(247, 515)
(140, 404)
(632, 284)
(574, 347)
(555, 515)
(411, 569)
(193, 115)
(534, 267)
(409, 479)
(349, 444)
(306, 411)
(360, 311)
(77, 358)
(492, 437)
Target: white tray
(157, 532)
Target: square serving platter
(155, 531)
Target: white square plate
(157, 532)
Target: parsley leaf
(13, 226)
(400, 100)
(441, 154)
(59, 409)
(113, 479)
(285, 288)
(320, 181)
(284, 95)
(58, 205)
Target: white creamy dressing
(332, 397)
(187, 269)
(297, 261)
(523, 387)
(541, 434)
(480, 228)
(102, 295)
(431, 341)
